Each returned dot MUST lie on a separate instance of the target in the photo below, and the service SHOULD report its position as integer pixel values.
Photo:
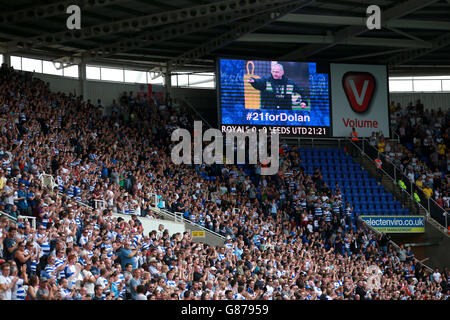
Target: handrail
(8, 216)
(174, 215)
(179, 217)
(99, 204)
(428, 216)
(387, 174)
(312, 139)
(395, 135)
(396, 246)
(77, 201)
(189, 104)
(429, 199)
(33, 220)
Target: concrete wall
(209, 238)
(106, 91)
(439, 253)
(204, 101)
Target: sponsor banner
(359, 99)
(198, 234)
(396, 224)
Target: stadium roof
(189, 34)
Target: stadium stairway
(361, 191)
(433, 244)
(393, 188)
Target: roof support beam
(360, 41)
(403, 57)
(139, 23)
(369, 55)
(237, 32)
(361, 21)
(152, 37)
(50, 10)
(407, 35)
(396, 12)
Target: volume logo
(359, 88)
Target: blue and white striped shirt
(60, 182)
(45, 246)
(19, 292)
(58, 263)
(51, 271)
(318, 211)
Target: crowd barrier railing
(178, 217)
(100, 204)
(32, 220)
(435, 214)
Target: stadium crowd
(288, 236)
(422, 152)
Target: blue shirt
(22, 204)
(124, 253)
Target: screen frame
(329, 129)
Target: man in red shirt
(355, 140)
(378, 164)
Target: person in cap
(45, 291)
(153, 268)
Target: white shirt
(88, 285)
(6, 295)
(10, 199)
(437, 277)
(269, 290)
(102, 282)
(141, 296)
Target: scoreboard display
(290, 98)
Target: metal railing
(436, 211)
(100, 204)
(435, 216)
(81, 203)
(180, 218)
(32, 219)
(189, 104)
(394, 136)
(14, 219)
(396, 246)
(316, 142)
(11, 218)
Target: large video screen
(291, 98)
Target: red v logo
(359, 88)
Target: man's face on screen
(277, 72)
